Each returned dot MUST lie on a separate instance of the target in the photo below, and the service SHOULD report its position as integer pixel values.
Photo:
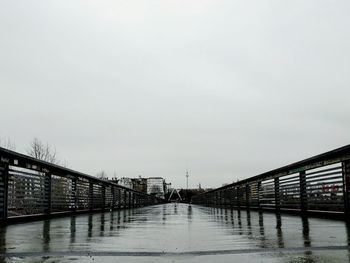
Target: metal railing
(318, 184)
(34, 188)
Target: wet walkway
(177, 233)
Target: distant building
(127, 182)
(153, 185)
(139, 184)
(156, 186)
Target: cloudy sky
(226, 89)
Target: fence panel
(82, 194)
(253, 194)
(267, 194)
(324, 187)
(108, 197)
(27, 192)
(62, 195)
(289, 190)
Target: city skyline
(226, 89)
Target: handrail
(30, 187)
(317, 189)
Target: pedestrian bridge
(278, 216)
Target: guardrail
(319, 184)
(30, 188)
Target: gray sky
(227, 89)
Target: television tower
(187, 175)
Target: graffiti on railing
(330, 188)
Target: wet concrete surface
(177, 233)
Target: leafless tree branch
(41, 151)
(7, 144)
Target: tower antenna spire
(187, 175)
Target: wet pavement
(177, 233)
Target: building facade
(156, 186)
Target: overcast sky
(226, 89)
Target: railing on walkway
(318, 184)
(33, 188)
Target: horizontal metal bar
(324, 170)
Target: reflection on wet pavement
(177, 233)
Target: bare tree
(64, 163)
(41, 151)
(7, 144)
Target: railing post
(233, 196)
(125, 201)
(227, 197)
(4, 175)
(74, 194)
(48, 192)
(103, 189)
(238, 201)
(247, 196)
(113, 197)
(91, 195)
(303, 193)
(223, 197)
(346, 185)
(277, 193)
(259, 189)
(119, 198)
(228, 200)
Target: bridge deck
(177, 233)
